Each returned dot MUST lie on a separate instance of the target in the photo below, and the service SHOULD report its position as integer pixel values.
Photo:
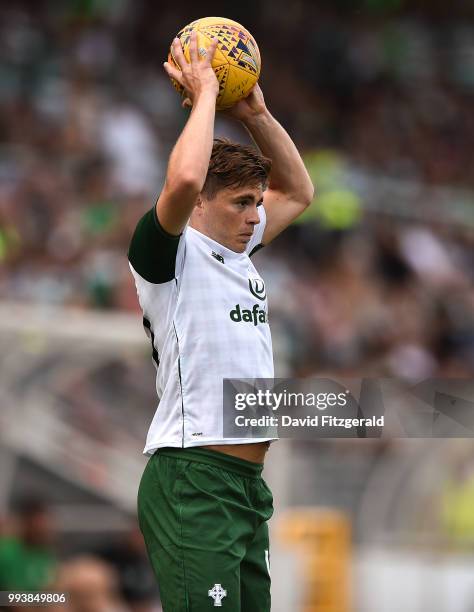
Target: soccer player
(203, 506)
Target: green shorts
(203, 515)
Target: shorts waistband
(240, 466)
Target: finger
(251, 93)
(173, 72)
(211, 50)
(193, 48)
(177, 53)
(187, 98)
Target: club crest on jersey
(256, 315)
(257, 288)
(217, 593)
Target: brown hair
(234, 165)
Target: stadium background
(375, 281)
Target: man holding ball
(203, 506)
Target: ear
(199, 205)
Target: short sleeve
(255, 242)
(153, 251)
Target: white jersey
(205, 310)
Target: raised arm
(189, 160)
(290, 189)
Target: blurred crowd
(383, 300)
(88, 118)
(117, 578)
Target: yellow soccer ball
(236, 61)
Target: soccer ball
(236, 61)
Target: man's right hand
(189, 160)
(198, 76)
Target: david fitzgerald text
(317, 420)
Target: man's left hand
(249, 108)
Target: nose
(253, 217)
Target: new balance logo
(255, 316)
(217, 593)
(218, 257)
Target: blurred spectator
(91, 586)
(27, 560)
(457, 503)
(137, 581)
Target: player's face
(230, 216)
